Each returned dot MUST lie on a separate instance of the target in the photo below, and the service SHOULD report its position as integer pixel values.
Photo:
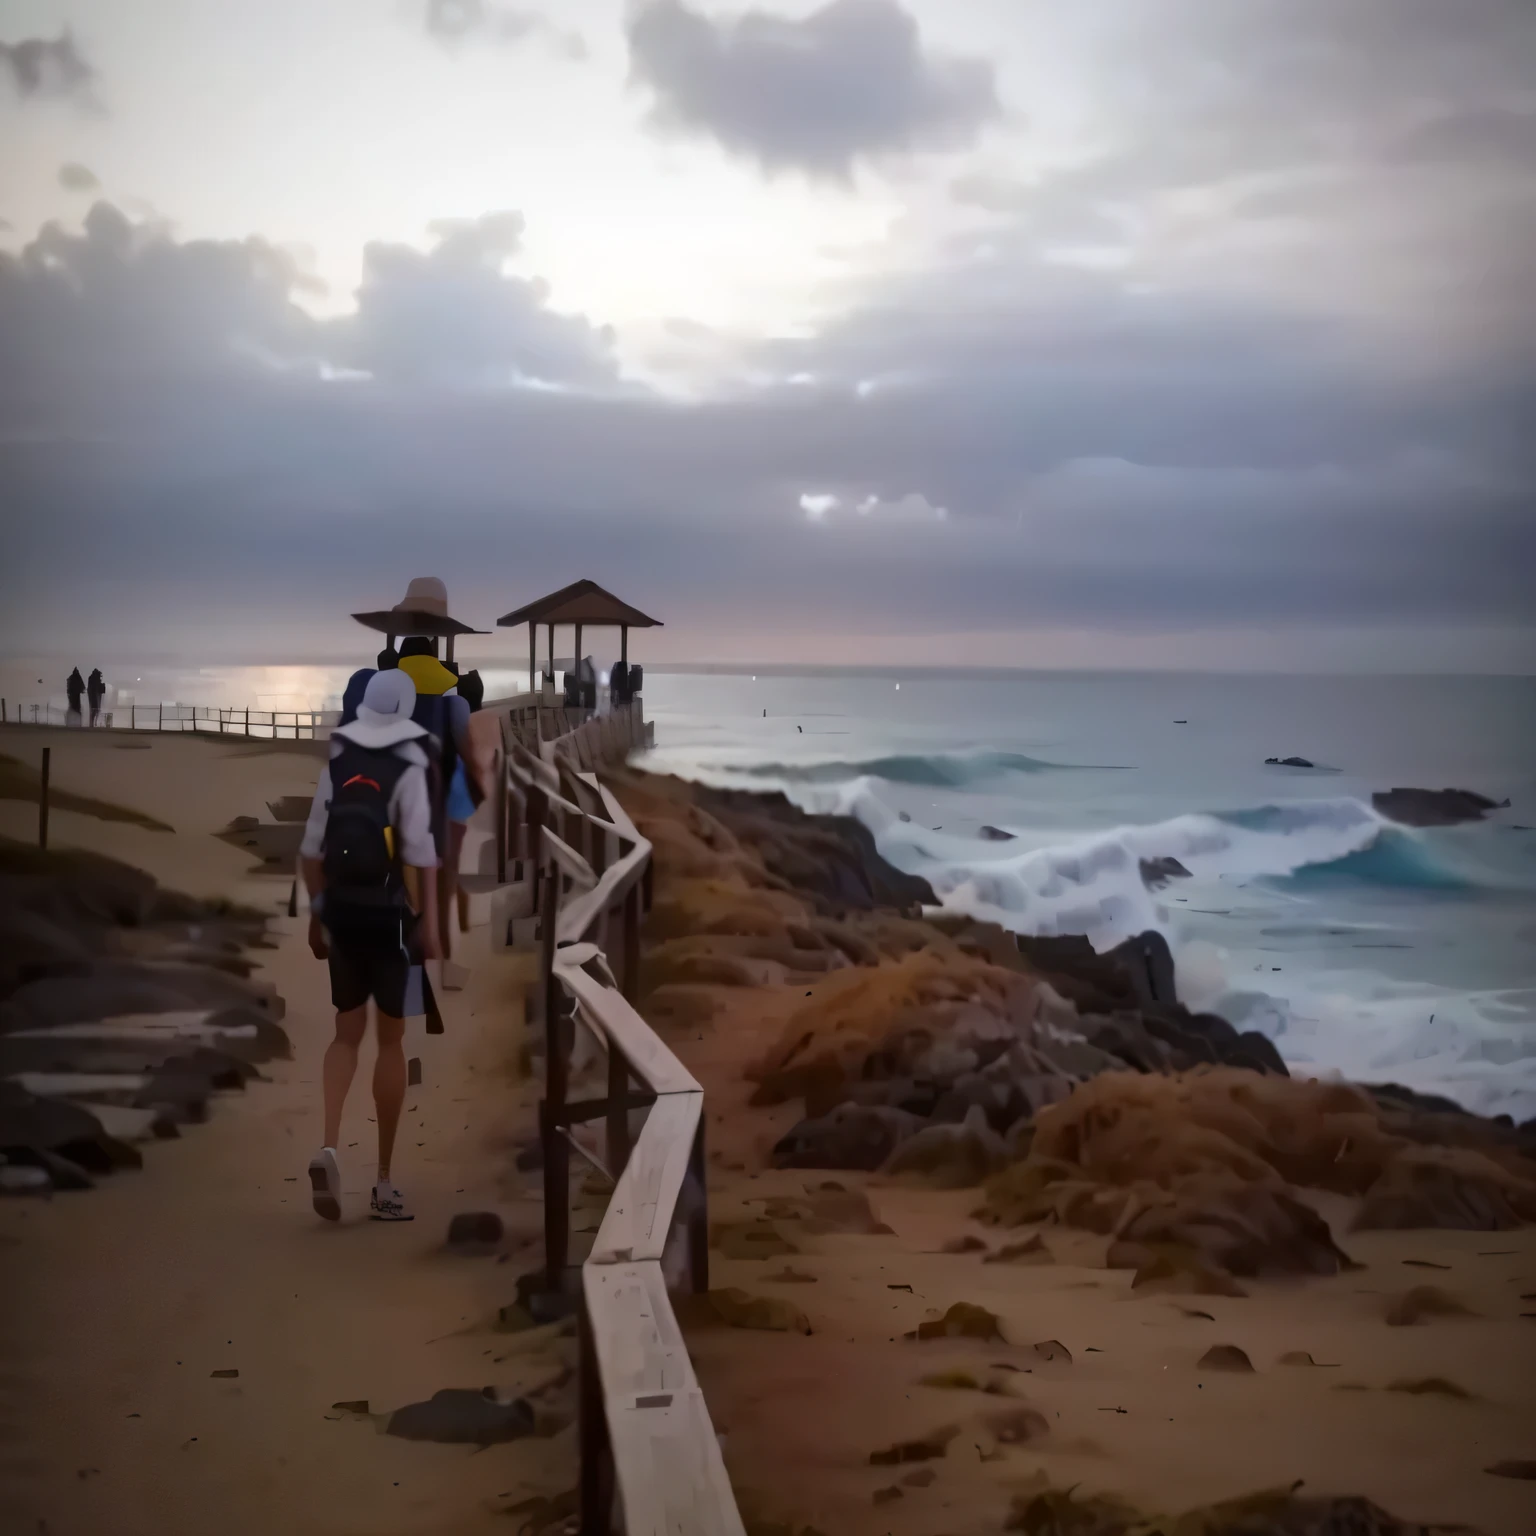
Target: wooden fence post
(698, 1217)
(42, 800)
(595, 1460)
(557, 1152)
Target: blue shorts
(460, 806)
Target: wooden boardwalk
(650, 1460)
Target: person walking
(95, 692)
(369, 832)
(445, 715)
(73, 689)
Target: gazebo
(581, 604)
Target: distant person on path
(369, 828)
(95, 692)
(73, 690)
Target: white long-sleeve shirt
(410, 811)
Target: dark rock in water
(475, 1231)
(852, 1136)
(1395, 1096)
(832, 859)
(1149, 963)
(1434, 807)
(1156, 873)
(1127, 1001)
(1288, 762)
(996, 835)
(463, 1416)
(902, 816)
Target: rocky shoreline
(125, 1009)
(1066, 1085)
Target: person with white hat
(371, 822)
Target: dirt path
(120, 1304)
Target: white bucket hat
(384, 716)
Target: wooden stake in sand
(42, 800)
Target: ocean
(1378, 952)
(1365, 949)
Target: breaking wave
(941, 770)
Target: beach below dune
(123, 1301)
(1408, 1417)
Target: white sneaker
(388, 1204)
(325, 1183)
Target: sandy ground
(120, 1303)
(1132, 1413)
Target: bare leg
(448, 885)
(340, 1066)
(389, 1086)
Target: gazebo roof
(583, 602)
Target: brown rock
(963, 1320)
(1053, 1349)
(1452, 1188)
(924, 1477)
(1438, 1386)
(1225, 1357)
(1032, 1250)
(852, 1136)
(951, 1381)
(1422, 1302)
(1180, 1272)
(1525, 1470)
(968, 1243)
(750, 1240)
(950, 1156)
(739, 1309)
(929, 1447)
(1017, 1426)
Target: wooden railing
(265, 724)
(646, 1441)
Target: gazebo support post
(581, 691)
(533, 656)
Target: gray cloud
(123, 300)
(456, 21)
(452, 315)
(78, 178)
(850, 81)
(1298, 395)
(49, 66)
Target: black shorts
(377, 966)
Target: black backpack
(364, 883)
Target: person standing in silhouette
(73, 690)
(95, 692)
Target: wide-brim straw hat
(422, 611)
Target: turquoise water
(1360, 947)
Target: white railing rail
(648, 1449)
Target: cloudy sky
(1188, 333)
